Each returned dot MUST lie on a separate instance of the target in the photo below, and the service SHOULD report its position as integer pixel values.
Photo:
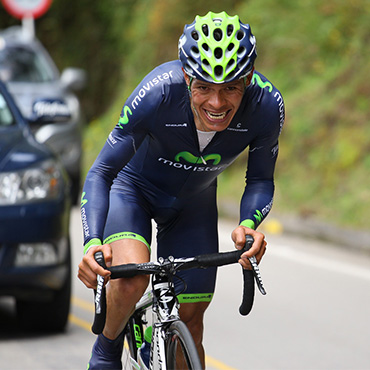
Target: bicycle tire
(179, 342)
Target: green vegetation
(315, 52)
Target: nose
(216, 99)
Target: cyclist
(181, 127)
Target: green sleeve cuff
(248, 223)
(90, 243)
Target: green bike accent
(190, 158)
(248, 223)
(91, 242)
(138, 338)
(197, 297)
(260, 83)
(83, 201)
(148, 334)
(124, 120)
(126, 235)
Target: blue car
(35, 256)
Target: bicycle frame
(165, 306)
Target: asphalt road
(315, 314)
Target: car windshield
(19, 64)
(6, 117)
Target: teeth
(216, 115)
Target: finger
(107, 252)
(89, 281)
(90, 262)
(259, 254)
(244, 262)
(238, 237)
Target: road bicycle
(172, 346)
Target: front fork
(166, 308)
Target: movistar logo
(258, 216)
(190, 158)
(83, 201)
(260, 83)
(124, 119)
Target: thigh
(128, 217)
(192, 230)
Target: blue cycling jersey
(155, 147)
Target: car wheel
(46, 316)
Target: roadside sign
(26, 8)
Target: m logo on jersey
(257, 79)
(124, 119)
(190, 158)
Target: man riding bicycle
(181, 127)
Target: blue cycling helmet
(217, 48)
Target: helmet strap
(189, 86)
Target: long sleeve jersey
(155, 144)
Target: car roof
(16, 36)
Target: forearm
(256, 203)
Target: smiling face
(214, 105)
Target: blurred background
(316, 53)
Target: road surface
(315, 314)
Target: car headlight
(36, 183)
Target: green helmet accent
(217, 48)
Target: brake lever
(255, 268)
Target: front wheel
(181, 352)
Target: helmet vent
(229, 30)
(230, 46)
(195, 52)
(240, 35)
(219, 71)
(230, 64)
(207, 76)
(230, 76)
(195, 35)
(192, 63)
(205, 30)
(241, 51)
(205, 47)
(243, 62)
(217, 34)
(218, 53)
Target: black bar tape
(99, 299)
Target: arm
(135, 123)
(116, 153)
(258, 194)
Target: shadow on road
(10, 328)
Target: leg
(128, 231)
(123, 294)
(192, 315)
(192, 230)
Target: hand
(258, 248)
(88, 268)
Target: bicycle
(171, 339)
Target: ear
(186, 76)
(248, 78)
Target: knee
(192, 315)
(128, 290)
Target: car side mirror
(74, 78)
